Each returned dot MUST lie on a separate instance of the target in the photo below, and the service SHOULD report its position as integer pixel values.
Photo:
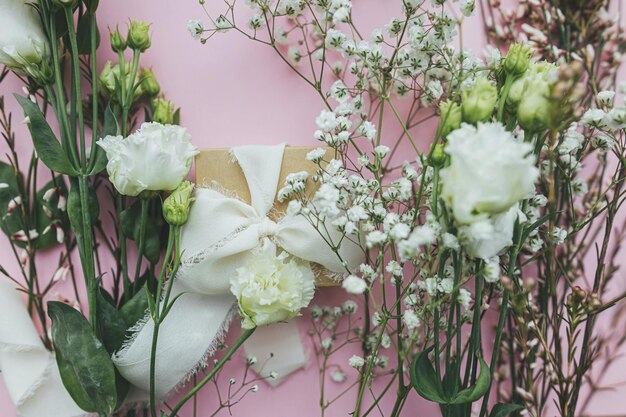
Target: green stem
(69, 17)
(143, 220)
(94, 90)
(246, 334)
(86, 242)
(68, 142)
(504, 95)
(174, 231)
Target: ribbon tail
(277, 348)
(187, 337)
(29, 370)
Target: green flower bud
(478, 101)
(118, 43)
(149, 84)
(138, 36)
(536, 70)
(437, 156)
(176, 206)
(533, 113)
(163, 111)
(518, 59)
(110, 81)
(451, 117)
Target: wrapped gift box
(217, 165)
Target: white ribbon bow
(29, 369)
(220, 237)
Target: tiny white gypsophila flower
(410, 320)
(559, 235)
(354, 285)
(326, 121)
(316, 155)
(156, 157)
(338, 375)
(195, 27)
(594, 117)
(272, 288)
(468, 7)
(606, 97)
(356, 361)
(367, 129)
(381, 151)
(465, 298)
(349, 307)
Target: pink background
(234, 92)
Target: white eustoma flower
(22, 39)
(486, 238)
(272, 288)
(489, 171)
(156, 157)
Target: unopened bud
(533, 113)
(478, 101)
(118, 43)
(437, 156)
(518, 59)
(451, 117)
(507, 283)
(149, 83)
(176, 206)
(163, 111)
(138, 35)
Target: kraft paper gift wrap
(216, 165)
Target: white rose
(272, 288)
(156, 157)
(489, 171)
(22, 39)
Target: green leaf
(177, 117)
(476, 391)
(130, 221)
(424, 379)
(109, 127)
(503, 409)
(48, 148)
(111, 324)
(136, 308)
(83, 34)
(86, 369)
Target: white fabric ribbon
(220, 237)
(29, 369)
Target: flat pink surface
(235, 92)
